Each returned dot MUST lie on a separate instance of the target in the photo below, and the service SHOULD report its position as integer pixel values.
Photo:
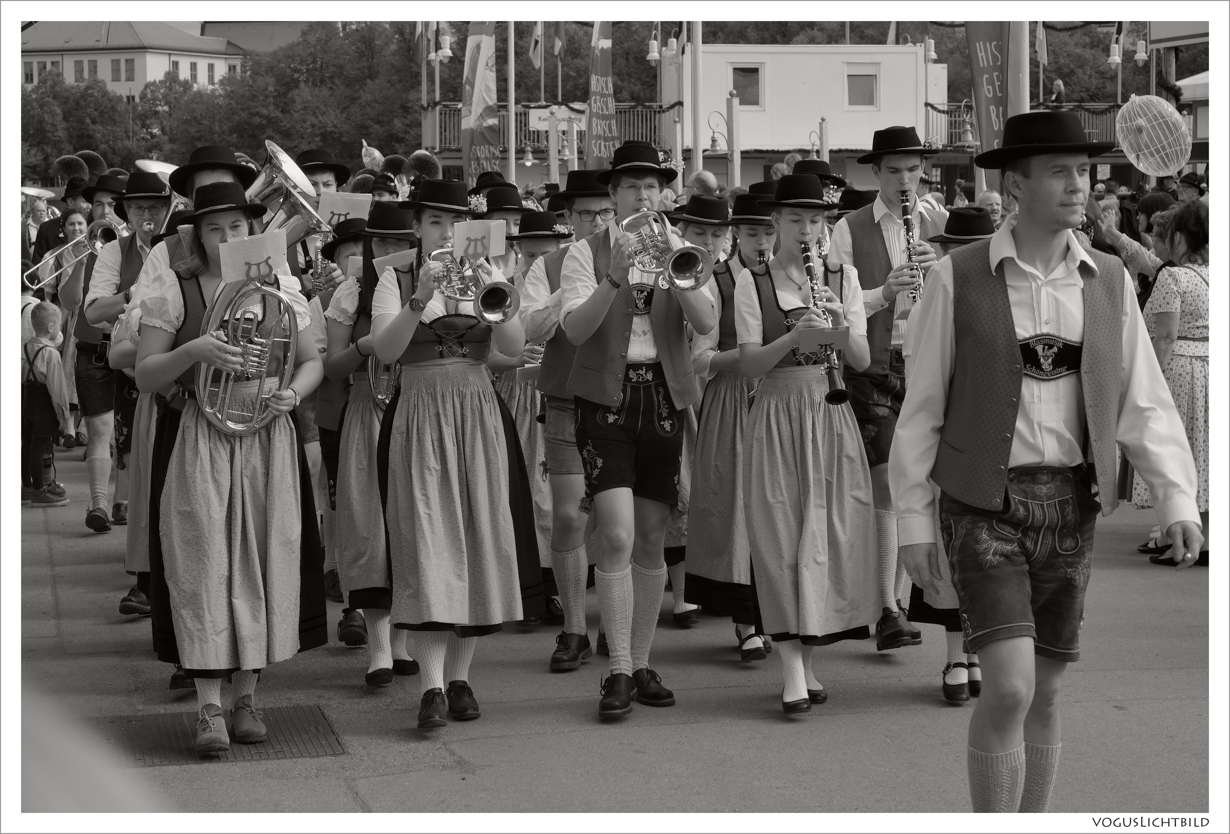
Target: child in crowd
(44, 405)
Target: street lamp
(968, 143)
(672, 47)
(1113, 60)
(931, 56)
(1142, 54)
(445, 53)
(528, 159)
(714, 148)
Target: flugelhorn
(258, 319)
(679, 266)
(495, 302)
(283, 189)
(383, 379)
(97, 235)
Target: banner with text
(480, 116)
(601, 132)
(987, 49)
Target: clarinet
(907, 220)
(837, 393)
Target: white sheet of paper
(811, 339)
(395, 260)
(258, 256)
(354, 266)
(336, 206)
(474, 239)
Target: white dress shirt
(1050, 415)
(540, 308)
(105, 281)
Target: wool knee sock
(677, 574)
(457, 659)
(647, 589)
(902, 587)
(791, 653)
(379, 648)
(397, 639)
(570, 567)
(886, 535)
(809, 676)
(996, 780)
(615, 601)
(956, 654)
(429, 647)
(1041, 765)
(243, 683)
(208, 691)
(98, 469)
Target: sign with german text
(987, 52)
(601, 131)
(480, 117)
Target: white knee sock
(1041, 765)
(615, 601)
(99, 471)
(975, 672)
(208, 691)
(647, 589)
(457, 659)
(429, 647)
(808, 674)
(570, 568)
(243, 683)
(397, 639)
(791, 653)
(379, 649)
(903, 584)
(886, 535)
(956, 654)
(677, 574)
(996, 780)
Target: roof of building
(77, 36)
(256, 35)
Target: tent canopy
(1195, 88)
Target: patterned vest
(130, 268)
(873, 265)
(980, 417)
(330, 396)
(598, 370)
(558, 354)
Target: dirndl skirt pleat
(140, 460)
(524, 402)
(358, 523)
(1188, 380)
(444, 466)
(809, 512)
(236, 576)
(677, 521)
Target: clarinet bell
(837, 393)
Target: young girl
(235, 558)
(805, 477)
(719, 567)
(444, 465)
(359, 534)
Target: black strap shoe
(649, 689)
(432, 709)
(616, 696)
(891, 631)
(818, 696)
(795, 707)
(956, 693)
(135, 603)
(570, 651)
(462, 704)
(756, 652)
(379, 677)
(352, 628)
(555, 612)
(405, 667)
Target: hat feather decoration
(69, 166)
(423, 164)
(393, 165)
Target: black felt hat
(222, 196)
(1041, 132)
(390, 219)
(320, 158)
(763, 189)
(747, 211)
(104, 183)
(207, 158)
(583, 183)
(348, 231)
(636, 156)
(819, 168)
(487, 179)
(383, 182)
(141, 184)
(707, 211)
(501, 198)
(540, 225)
(803, 191)
(446, 195)
(852, 199)
(895, 139)
(966, 224)
(74, 187)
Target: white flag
(536, 46)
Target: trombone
(98, 235)
(679, 266)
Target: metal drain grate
(159, 739)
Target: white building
(124, 55)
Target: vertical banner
(1016, 63)
(601, 132)
(987, 50)
(480, 117)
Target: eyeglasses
(646, 188)
(588, 216)
(153, 210)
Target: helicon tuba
(383, 379)
(679, 266)
(495, 302)
(238, 403)
(283, 189)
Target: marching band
(745, 396)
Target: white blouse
(387, 299)
(162, 306)
(750, 326)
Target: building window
(175, 70)
(862, 86)
(42, 70)
(232, 69)
(93, 70)
(130, 69)
(746, 82)
(209, 68)
(55, 67)
(79, 70)
(115, 69)
(192, 71)
(28, 69)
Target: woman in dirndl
(444, 464)
(806, 483)
(358, 528)
(235, 557)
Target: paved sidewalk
(1135, 707)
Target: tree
(43, 135)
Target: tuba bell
(257, 318)
(679, 266)
(383, 379)
(283, 189)
(495, 302)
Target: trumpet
(97, 235)
(268, 345)
(283, 189)
(837, 393)
(679, 266)
(495, 302)
(383, 379)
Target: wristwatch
(613, 282)
(416, 305)
(298, 399)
